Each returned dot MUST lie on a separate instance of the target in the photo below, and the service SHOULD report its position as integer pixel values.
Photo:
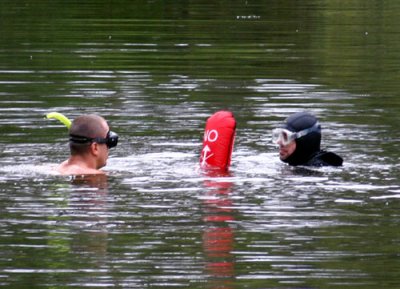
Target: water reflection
(218, 236)
(86, 220)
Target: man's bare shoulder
(66, 168)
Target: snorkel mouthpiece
(60, 117)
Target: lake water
(156, 70)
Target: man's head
(90, 136)
(299, 138)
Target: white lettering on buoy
(211, 135)
(205, 155)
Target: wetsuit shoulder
(324, 158)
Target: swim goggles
(285, 137)
(111, 140)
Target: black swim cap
(307, 145)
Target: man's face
(103, 155)
(103, 149)
(286, 151)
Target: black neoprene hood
(306, 145)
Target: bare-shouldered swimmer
(90, 139)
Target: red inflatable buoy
(218, 140)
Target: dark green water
(156, 70)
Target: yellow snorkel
(60, 117)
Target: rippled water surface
(156, 70)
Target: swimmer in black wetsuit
(299, 142)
